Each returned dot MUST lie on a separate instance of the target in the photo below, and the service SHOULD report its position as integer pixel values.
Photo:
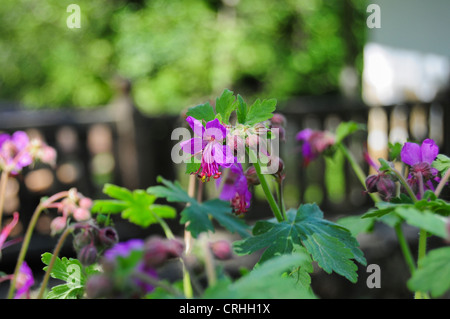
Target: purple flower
(208, 145)
(24, 282)
(124, 249)
(314, 143)
(420, 158)
(13, 151)
(235, 189)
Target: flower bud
(158, 250)
(252, 176)
(278, 120)
(58, 224)
(88, 255)
(82, 239)
(98, 286)
(81, 214)
(221, 249)
(371, 183)
(85, 203)
(386, 187)
(108, 236)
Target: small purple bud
(108, 237)
(278, 120)
(221, 249)
(252, 176)
(88, 255)
(371, 183)
(82, 239)
(386, 187)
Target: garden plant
(232, 148)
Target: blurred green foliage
(176, 53)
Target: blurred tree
(176, 53)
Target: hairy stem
(58, 247)
(405, 249)
(442, 183)
(29, 232)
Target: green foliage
(441, 163)
(265, 281)
(347, 128)
(197, 215)
(72, 272)
(137, 206)
(174, 52)
(202, 112)
(433, 273)
(330, 244)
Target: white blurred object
(393, 76)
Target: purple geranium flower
(235, 189)
(14, 153)
(314, 143)
(208, 145)
(420, 158)
(24, 282)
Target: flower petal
(411, 153)
(214, 128)
(196, 126)
(192, 146)
(429, 151)
(304, 134)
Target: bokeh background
(107, 96)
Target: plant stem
(421, 254)
(26, 240)
(187, 285)
(405, 184)
(281, 198)
(357, 169)
(265, 186)
(3, 184)
(58, 247)
(209, 264)
(165, 227)
(405, 249)
(442, 183)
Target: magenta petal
(196, 126)
(20, 139)
(223, 155)
(304, 134)
(429, 151)
(411, 153)
(192, 146)
(214, 128)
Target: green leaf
(441, 163)
(197, 215)
(433, 273)
(385, 165)
(427, 220)
(138, 206)
(265, 282)
(242, 110)
(225, 105)
(202, 112)
(330, 244)
(356, 224)
(346, 128)
(394, 150)
(71, 272)
(260, 111)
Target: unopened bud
(81, 214)
(98, 286)
(386, 187)
(82, 239)
(88, 255)
(371, 183)
(58, 224)
(252, 176)
(278, 120)
(221, 249)
(158, 250)
(108, 237)
(85, 203)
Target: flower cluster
(74, 205)
(314, 143)
(91, 240)
(18, 151)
